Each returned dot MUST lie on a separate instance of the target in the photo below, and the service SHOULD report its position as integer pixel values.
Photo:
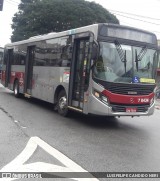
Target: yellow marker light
(96, 94)
(105, 99)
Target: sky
(142, 14)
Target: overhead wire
(10, 3)
(131, 14)
(136, 19)
(120, 13)
(15, 1)
(115, 12)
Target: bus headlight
(104, 99)
(100, 96)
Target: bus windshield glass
(125, 63)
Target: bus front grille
(127, 88)
(130, 89)
(120, 108)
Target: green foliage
(37, 17)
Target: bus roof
(91, 28)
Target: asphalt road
(97, 144)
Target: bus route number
(143, 100)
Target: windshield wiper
(122, 54)
(140, 56)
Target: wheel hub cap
(62, 103)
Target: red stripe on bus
(3, 76)
(19, 76)
(128, 99)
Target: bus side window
(22, 60)
(53, 46)
(65, 52)
(1, 57)
(66, 63)
(15, 59)
(40, 51)
(19, 55)
(5, 57)
(22, 54)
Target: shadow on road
(89, 120)
(94, 122)
(81, 120)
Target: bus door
(9, 57)
(79, 73)
(29, 70)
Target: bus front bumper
(97, 107)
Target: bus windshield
(125, 63)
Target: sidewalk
(157, 104)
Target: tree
(37, 17)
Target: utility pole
(1, 5)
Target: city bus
(101, 69)
(1, 58)
(158, 75)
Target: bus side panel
(3, 75)
(17, 73)
(45, 81)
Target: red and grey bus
(101, 69)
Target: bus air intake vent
(128, 88)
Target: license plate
(131, 109)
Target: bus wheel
(16, 89)
(62, 103)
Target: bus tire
(16, 89)
(62, 103)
